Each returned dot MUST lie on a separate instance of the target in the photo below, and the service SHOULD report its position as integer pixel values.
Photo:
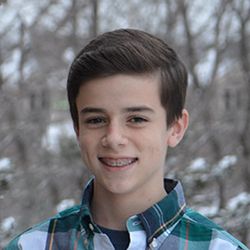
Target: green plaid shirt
(166, 225)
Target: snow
(225, 163)
(241, 199)
(10, 67)
(204, 68)
(7, 16)
(29, 14)
(29, 68)
(5, 164)
(68, 55)
(198, 165)
(64, 204)
(54, 132)
(8, 224)
(208, 211)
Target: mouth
(117, 163)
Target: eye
(138, 120)
(95, 121)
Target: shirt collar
(85, 214)
(157, 218)
(162, 215)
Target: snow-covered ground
(51, 139)
(5, 164)
(8, 224)
(240, 199)
(64, 204)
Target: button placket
(153, 244)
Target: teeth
(118, 163)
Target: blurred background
(40, 168)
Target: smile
(117, 162)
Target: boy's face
(122, 132)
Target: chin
(119, 188)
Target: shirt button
(154, 243)
(85, 242)
(91, 227)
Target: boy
(126, 92)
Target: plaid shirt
(166, 225)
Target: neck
(112, 210)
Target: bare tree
(242, 11)
(33, 97)
(206, 89)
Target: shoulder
(201, 229)
(36, 237)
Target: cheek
(85, 144)
(85, 152)
(155, 146)
(89, 145)
(85, 138)
(158, 146)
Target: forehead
(120, 89)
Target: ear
(178, 129)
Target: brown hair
(129, 51)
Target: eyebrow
(92, 110)
(133, 109)
(139, 109)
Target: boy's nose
(114, 136)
